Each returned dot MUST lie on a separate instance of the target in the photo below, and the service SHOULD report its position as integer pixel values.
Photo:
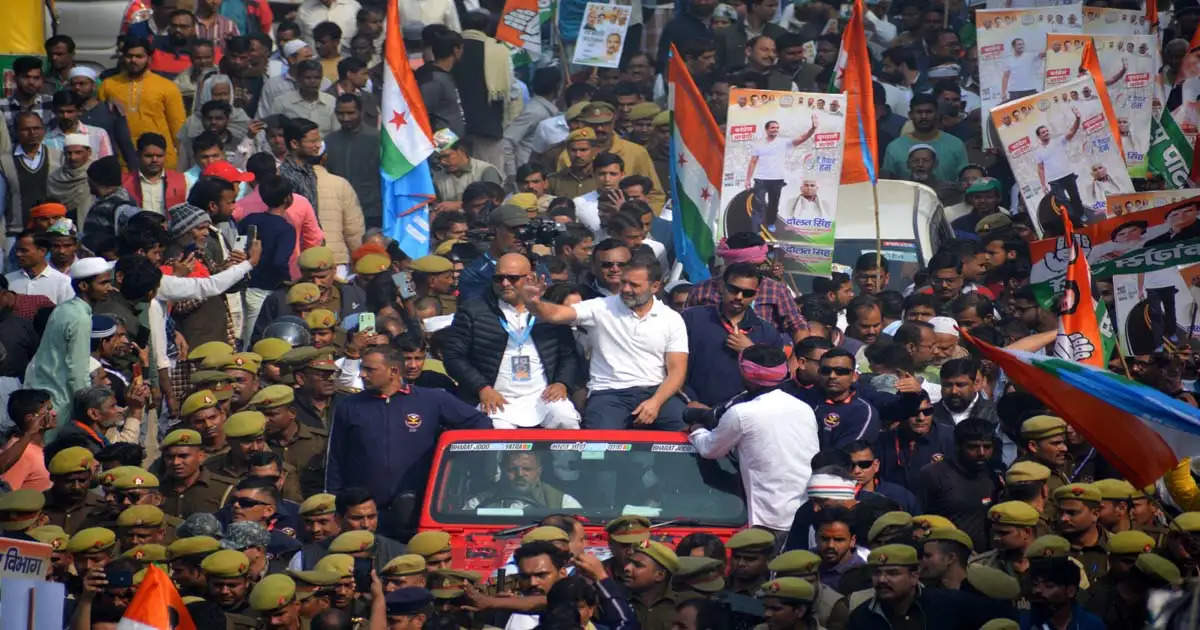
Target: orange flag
(156, 605)
(1078, 329)
(852, 75)
(1091, 63)
(1152, 14)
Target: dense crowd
(215, 360)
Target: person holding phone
(278, 239)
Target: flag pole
(878, 238)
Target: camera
(540, 231)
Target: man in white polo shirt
(639, 350)
(1055, 170)
(34, 275)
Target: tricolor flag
(1138, 429)
(1091, 64)
(405, 142)
(852, 75)
(697, 151)
(156, 605)
(1078, 324)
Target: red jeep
(486, 495)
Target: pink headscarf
(755, 254)
(762, 375)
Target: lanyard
(518, 338)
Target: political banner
(1012, 50)
(1156, 307)
(1106, 21)
(1130, 65)
(602, 35)
(783, 164)
(1121, 204)
(1170, 155)
(1020, 4)
(1059, 143)
(24, 559)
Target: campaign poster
(602, 35)
(24, 559)
(1121, 204)
(1106, 21)
(783, 165)
(1130, 65)
(1020, 4)
(1059, 143)
(1012, 49)
(1157, 307)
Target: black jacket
(353, 300)
(474, 345)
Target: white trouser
(252, 300)
(531, 411)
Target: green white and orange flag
(697, 154)
(406, 141)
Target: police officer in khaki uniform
(229, 587)
(202, 411)
(434, 547)
(1052, 546)
(317, 266)
(243, 367)
(1079, 522)
(648, 578)
(68, 503)
(343, 595)
(188, 486)
(277, 602)
(576, 179)
(992, 584)
(624, 533)
(219, 383)
(433, 276)
(788, 604)
(185, 556)
(832, 608)
(1013, 524)
(60, 560)
(1121, 602)
(272, 370)
(314, 372)
(1028, 481)
(322, 324)
(91, 549)
(318, 585)
(698, 577)
(21, 511)
(751, 551)
(1116, 501)
(245, 432)
(143, 524)
(1123, 551)
(1044, 440)
(944, 556)
(147, 554)
(299, 445)
(404, 571)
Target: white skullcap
(294, 46)
(917, 147)
(822, 486)
(77, 139)
(944, 326)
(82, 71)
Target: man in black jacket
(316, 266)
(514, 368)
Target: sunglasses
(246, 502)
(826, 370)
(864, 464)
(748, 293)
(613, 264)
(925, 412)
(499, 278)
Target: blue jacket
(386, 444)
(901, 459)
(1080, 620)
(713, 375)
(841, 423)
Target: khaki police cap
(71, 460)
(597, 113)
(445, 246)
(450, 582)
(429, 543)
(245, 361)
(353, 542)
(320, 318)
(110, 476)
(993, 221)
(322, 503)
(1085, 492)
(216, 361)
(545, 533)
(642, 111)
(628, 529)
(951, 534)
(303, 293)
(201, 378)
(340, 563)
(226, 563)
(662, 118)
(751, 539)
(691, 566)
(1048, 546)
(91, 540)
(271, 348)
(314, 577)
(134, 478)
(1156, 566)
(1187, 522)
(1042, 427)
(319, 258)
(993, 583)
(792, 588)
(795, 563)
(661, 554)
(149, 552)
(273, 592)
(574, 111)
(1026, 471)
(140, 516)
(210, 349)
(432, 264)
(1017, 513)
(245, 424)
(889, 555)
(200, 399)
(183, 437)
(372, 264)
(1115, 489)
(1001, 624)
(52, 535)
(1130, 542)
(22, 507)
(700, 574)
(273, 396)
(582, 134)
(407, 564)
(192, 546)
(886, 520)
(929, 521)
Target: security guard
(1116, 501)
(940, 543)
(322, 323)
(624, 533)
(219, 383)
(202, 411)
(60, 560)
(243, 367)
(91, 549)
(21, 511)
(789, 599)
(187, 486)
(299, 445)
(698, 577)
(992, 584)
(648, 578)
(68, 503)
(1079, 522)
(894, 526)
(433, 277)
(751, 550)
(1013, 526)
(147, 554)
(434, 547)
(319, 586)
(448, 587)
(1121, 601)
(1044, 440)
(277, 602)
(314, 372)
(404, 571)
(318, 267)
(143, 524)
(303, 297)
(136, 486)
(229, 587)
(245, 431)
(1183, 536)
(1028, 481)
(358, 543)
(575, 179)
(1124, 548)
(833, 608)
(185, 556)
(1052, 546)
(343, 596)
(925, 523)
(271, 349)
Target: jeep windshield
(513, 483)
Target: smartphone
(366, 323)
(362, 575)
(403, 281)
(501, 574)
(118, 578)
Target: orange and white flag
(156, 605)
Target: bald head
(513, 264)
(512, 272)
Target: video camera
(540, 231)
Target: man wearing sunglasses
(609, 259)
(917, 441)
(843, 416)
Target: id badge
(520, 369)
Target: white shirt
(775, 435)
(1024, 72)
(344, 13)
(548, 133)
(627, 350)
(587, 211)
(771, 155)
(1054, 158)
(518, 323)
(429, 12)
(51, 283)
(897, 97)
(153, 193)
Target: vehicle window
(515, 482)
(903, 258)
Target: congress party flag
(1091, 64)
(156, 605)
(697, 149)
(852, 75)
(405, 142)
(1140, 430)
(521, 26)
(1079, 317)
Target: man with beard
(1053, 598)
(64, 245)
(68, 107)
(540, 565)
(82, 81)
(1044, 441)
(521, 486)
(951, 154)
(1078, 520)
(171, 54)
(900, 601)
(68, 502)
(836, 545)
(944, 554)
(226, 573)
(243, 367)
(686, 26)
(804, 365)
(630, 385)
(963, 486)
(961, 398)
(843, 416)
(984, 197)
(152, 103)
(864, 319)
(760, 65)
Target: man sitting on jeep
(521, 486)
